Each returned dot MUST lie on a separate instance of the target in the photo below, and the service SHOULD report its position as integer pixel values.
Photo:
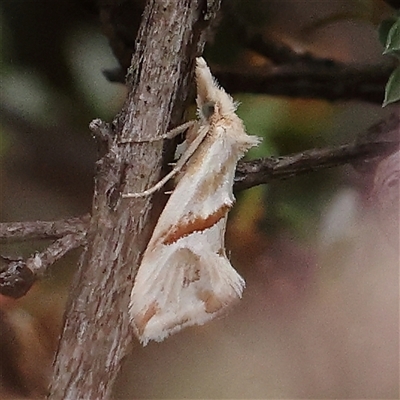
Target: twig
(101, 130)
(20, 231)
(378, 142)
(18, 277)
(261, 171)
(40, 261)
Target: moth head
(211, 98)
(207, 110)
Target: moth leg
(156, 187)
(177, 168)
(178, 130)
(169, 135)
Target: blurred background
(320, 314)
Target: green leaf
(393, 38)
(392, 91)
(384, 29)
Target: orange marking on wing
(211, 303)
(142, 320)
(197, 225)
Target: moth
(185, 277)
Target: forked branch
(17, 277)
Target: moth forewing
(185, 277)
(190, 284)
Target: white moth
(185, 277)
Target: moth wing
(185, 283)
(204, 193)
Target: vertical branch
(96, 333)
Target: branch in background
(18, 277)
(19, 231)
(120, 22)
(317, 79)
(277, 52)
(257, 172)
(300, 74)
(393, 3)
(280, 53)
(325, 82)
(296, 74)
(377, 143)
(387, 130)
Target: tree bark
(96, 333)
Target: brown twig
(378, 142)
(18, 277)
(257, 172)
(39, 262)
(20, 231)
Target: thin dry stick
(19, 276)
(257, 172)
(27, 230)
